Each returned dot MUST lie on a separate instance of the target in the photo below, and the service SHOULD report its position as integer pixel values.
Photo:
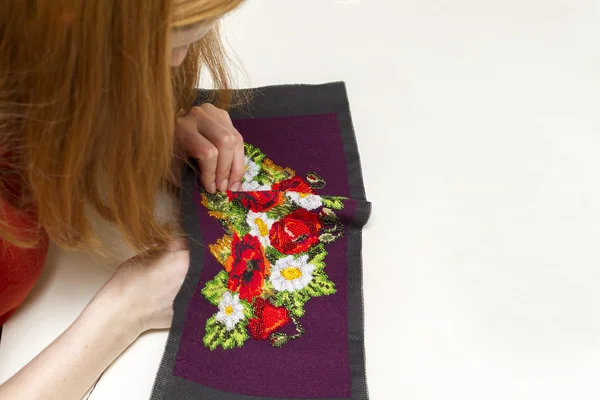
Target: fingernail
(235, 187)
(224, 185)
(213, 188)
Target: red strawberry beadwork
(269, 319)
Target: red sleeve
(19, 268)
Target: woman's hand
(148, 286)
(138, 297)
(207, 134)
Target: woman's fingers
(238, 167)
(208, 157)
(216, 144)
(224, 141)
(200, 148)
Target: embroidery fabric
(273, 253)
(271, 307)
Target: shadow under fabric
(272, 307)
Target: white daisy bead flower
(254, 187)
(308, 201)
(230, 310)
(291, 274)
(252, 169)
(260, 225)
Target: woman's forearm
(69, 366)
(138, 297)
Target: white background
(478, 123)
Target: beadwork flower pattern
(230, 310)
(291, 274)
(273, 253)
(260, 226)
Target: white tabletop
(479, 131)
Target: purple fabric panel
(311, 143)
(316, 365)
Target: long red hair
(87, 110)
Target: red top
(19, 268)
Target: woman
(93, 100)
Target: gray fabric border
(276, 101)
(164, 379)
